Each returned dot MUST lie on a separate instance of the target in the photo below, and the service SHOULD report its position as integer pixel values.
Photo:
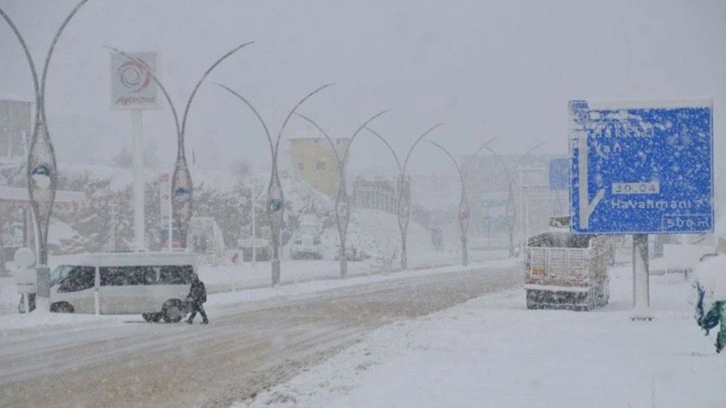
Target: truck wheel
(601, 297)
(532, 300)
(589, 301)
(61, 307)
(173, 311)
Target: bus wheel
(61, 307)
(151, 317)
(173, 311)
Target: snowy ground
(493, 352)
(488, 352)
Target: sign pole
(642, 167)
(165, 220)
(170, 241)
(254, 231)
(138, 172)
(133, 88)
(641, 283)
(113, 227)
(521, 208)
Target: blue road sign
(560, 174)
(642, 168)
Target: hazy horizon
(486, 69)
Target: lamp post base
(275, 272)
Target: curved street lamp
(510, 196)
(464, 213)
(342, 200)
(275, 197)
(41, 167)
(181, 182)
(403, 209)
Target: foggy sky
(487, 69)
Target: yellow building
(314, 162)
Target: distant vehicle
(560, 222)
(307, 244)
(353, 251)
(566, 271)
(154, 284)
(260, 245)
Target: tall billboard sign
(132, 83)
(642, 167)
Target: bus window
(113, 276)
(79, 278)
(59, 273)
(175, 274)
(145, 275)
(127, 275)
(150, 275)
(140, 275)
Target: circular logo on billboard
(135, 76)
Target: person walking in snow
(196, 298)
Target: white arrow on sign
(586, 207)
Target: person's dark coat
(197, 291)
(197, 296)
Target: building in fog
(378, 193)
(15, 123)
(533, 201)
(313, 161)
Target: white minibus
(154, 284)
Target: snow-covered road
(246, 349)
